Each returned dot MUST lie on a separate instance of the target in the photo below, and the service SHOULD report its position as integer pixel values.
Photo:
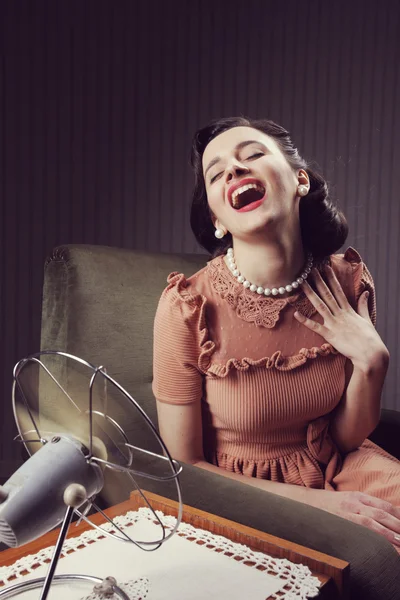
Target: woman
(267, 365)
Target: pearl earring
(302, 190)
(219, 233)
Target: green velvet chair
(99, 304)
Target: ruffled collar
(263, 311)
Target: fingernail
(397, 539)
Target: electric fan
(87, 439)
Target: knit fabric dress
(267, 385)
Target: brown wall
(99, 100)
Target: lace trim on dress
(197, 304)
(253, 308)
(262, 311)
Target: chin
(267, 225)
(262, 223)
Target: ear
(217, 224)
(303, 178)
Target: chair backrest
(99, 304)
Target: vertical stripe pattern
(98, 104)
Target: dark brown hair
(324, 227)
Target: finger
(336, 288)
(311, 324)
(370, 523)
(384, 518)
(324, 292)
(378, 503)
(316, 301)
(362, 306)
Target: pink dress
(267, 385)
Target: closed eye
(216, 177)
(255, 155)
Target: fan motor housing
(35, 493)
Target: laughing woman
(267, 364)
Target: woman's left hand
(351, 333)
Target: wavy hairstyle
(323, 226)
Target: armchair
(99, 303)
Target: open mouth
(247, 195)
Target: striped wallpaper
(99, 100)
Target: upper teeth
(244, 188)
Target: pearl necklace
(287, 289)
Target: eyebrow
(239, 146)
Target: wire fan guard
(60, 397)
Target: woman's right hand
(363, 509)
(181, 429)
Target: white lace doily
(192, 565)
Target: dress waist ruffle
(312, 463)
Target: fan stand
(74, 496)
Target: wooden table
(332, 572)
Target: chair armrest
(387, 433)
(374, 563)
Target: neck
(270, 263)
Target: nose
(235, 169)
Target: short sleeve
(362, 280)
(180, 342)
